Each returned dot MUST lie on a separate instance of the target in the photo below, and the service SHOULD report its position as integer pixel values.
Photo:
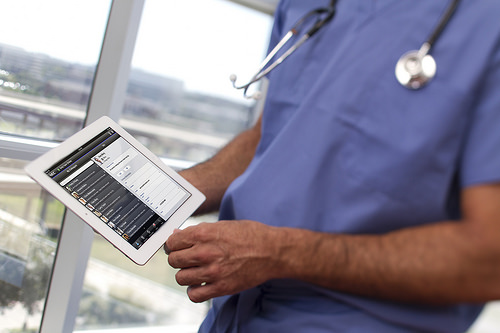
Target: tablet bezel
(36, 170)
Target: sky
(65, 29)
(201, 42)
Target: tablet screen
(119, 185)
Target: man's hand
(223, 258)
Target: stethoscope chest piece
(416, 68)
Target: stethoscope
(413, 70)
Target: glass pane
(48, 56)
(180, 102)
(120, 294)
(30, 220)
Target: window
(181, 104)
(48, 57)
(180, 101)
(29, 223)
(47, 64)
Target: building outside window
(180, 101)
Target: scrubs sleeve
(481, 158)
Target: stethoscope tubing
(442, 23)
(405, 76)
(265, 68)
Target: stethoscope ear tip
(256, 95)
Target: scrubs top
(346, 149)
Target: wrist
(301, 256)
(291, 256)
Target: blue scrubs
(346, 149)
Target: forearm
(213, 176)
(441, 263)
(435, 264)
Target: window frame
(107, 98)
(265, 6)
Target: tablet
(118, 187)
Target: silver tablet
(117, 186)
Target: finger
(194, 293)
(165, 246)
(166, 249)
(183, 259)
(204, 292)
(197, 255)
(192, 276)
(178, 240)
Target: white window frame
(265, 6)
(107, 98)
